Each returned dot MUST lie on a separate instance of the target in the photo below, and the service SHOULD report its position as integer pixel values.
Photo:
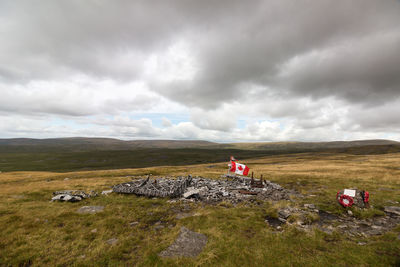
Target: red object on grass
(366, 197)
(346, 201)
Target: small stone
(94, 230)
(350, 212)
(309, 206)
(285, 213)
(361, 243)
(112, 241)
(106, 192)
(363, 234)
(159, 227)
(66, 179)
(133, 223)
(282, 220)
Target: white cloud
(290, 71)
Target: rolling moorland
(37, 232)
(80, 154)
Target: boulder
(284, 213)
(66, 197)
(191, 192)
(72, 195)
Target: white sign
(350, 192)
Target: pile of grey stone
(72, 195)
(232, 189)
(155, 187)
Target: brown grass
(43, 233)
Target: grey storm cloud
(315, 48)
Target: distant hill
(103, 144)
(282, 146)
(90, 144)
(71, 154)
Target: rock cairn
(155, 187)
(233, 189)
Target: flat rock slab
(393, 209)
(188, 244)
(91, 209)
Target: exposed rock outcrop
(187, 244)
(72, 195)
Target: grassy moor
(133, 230)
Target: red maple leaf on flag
(240, 168)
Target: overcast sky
(212, 70)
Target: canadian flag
(238, 168)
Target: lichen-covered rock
(187, 244)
